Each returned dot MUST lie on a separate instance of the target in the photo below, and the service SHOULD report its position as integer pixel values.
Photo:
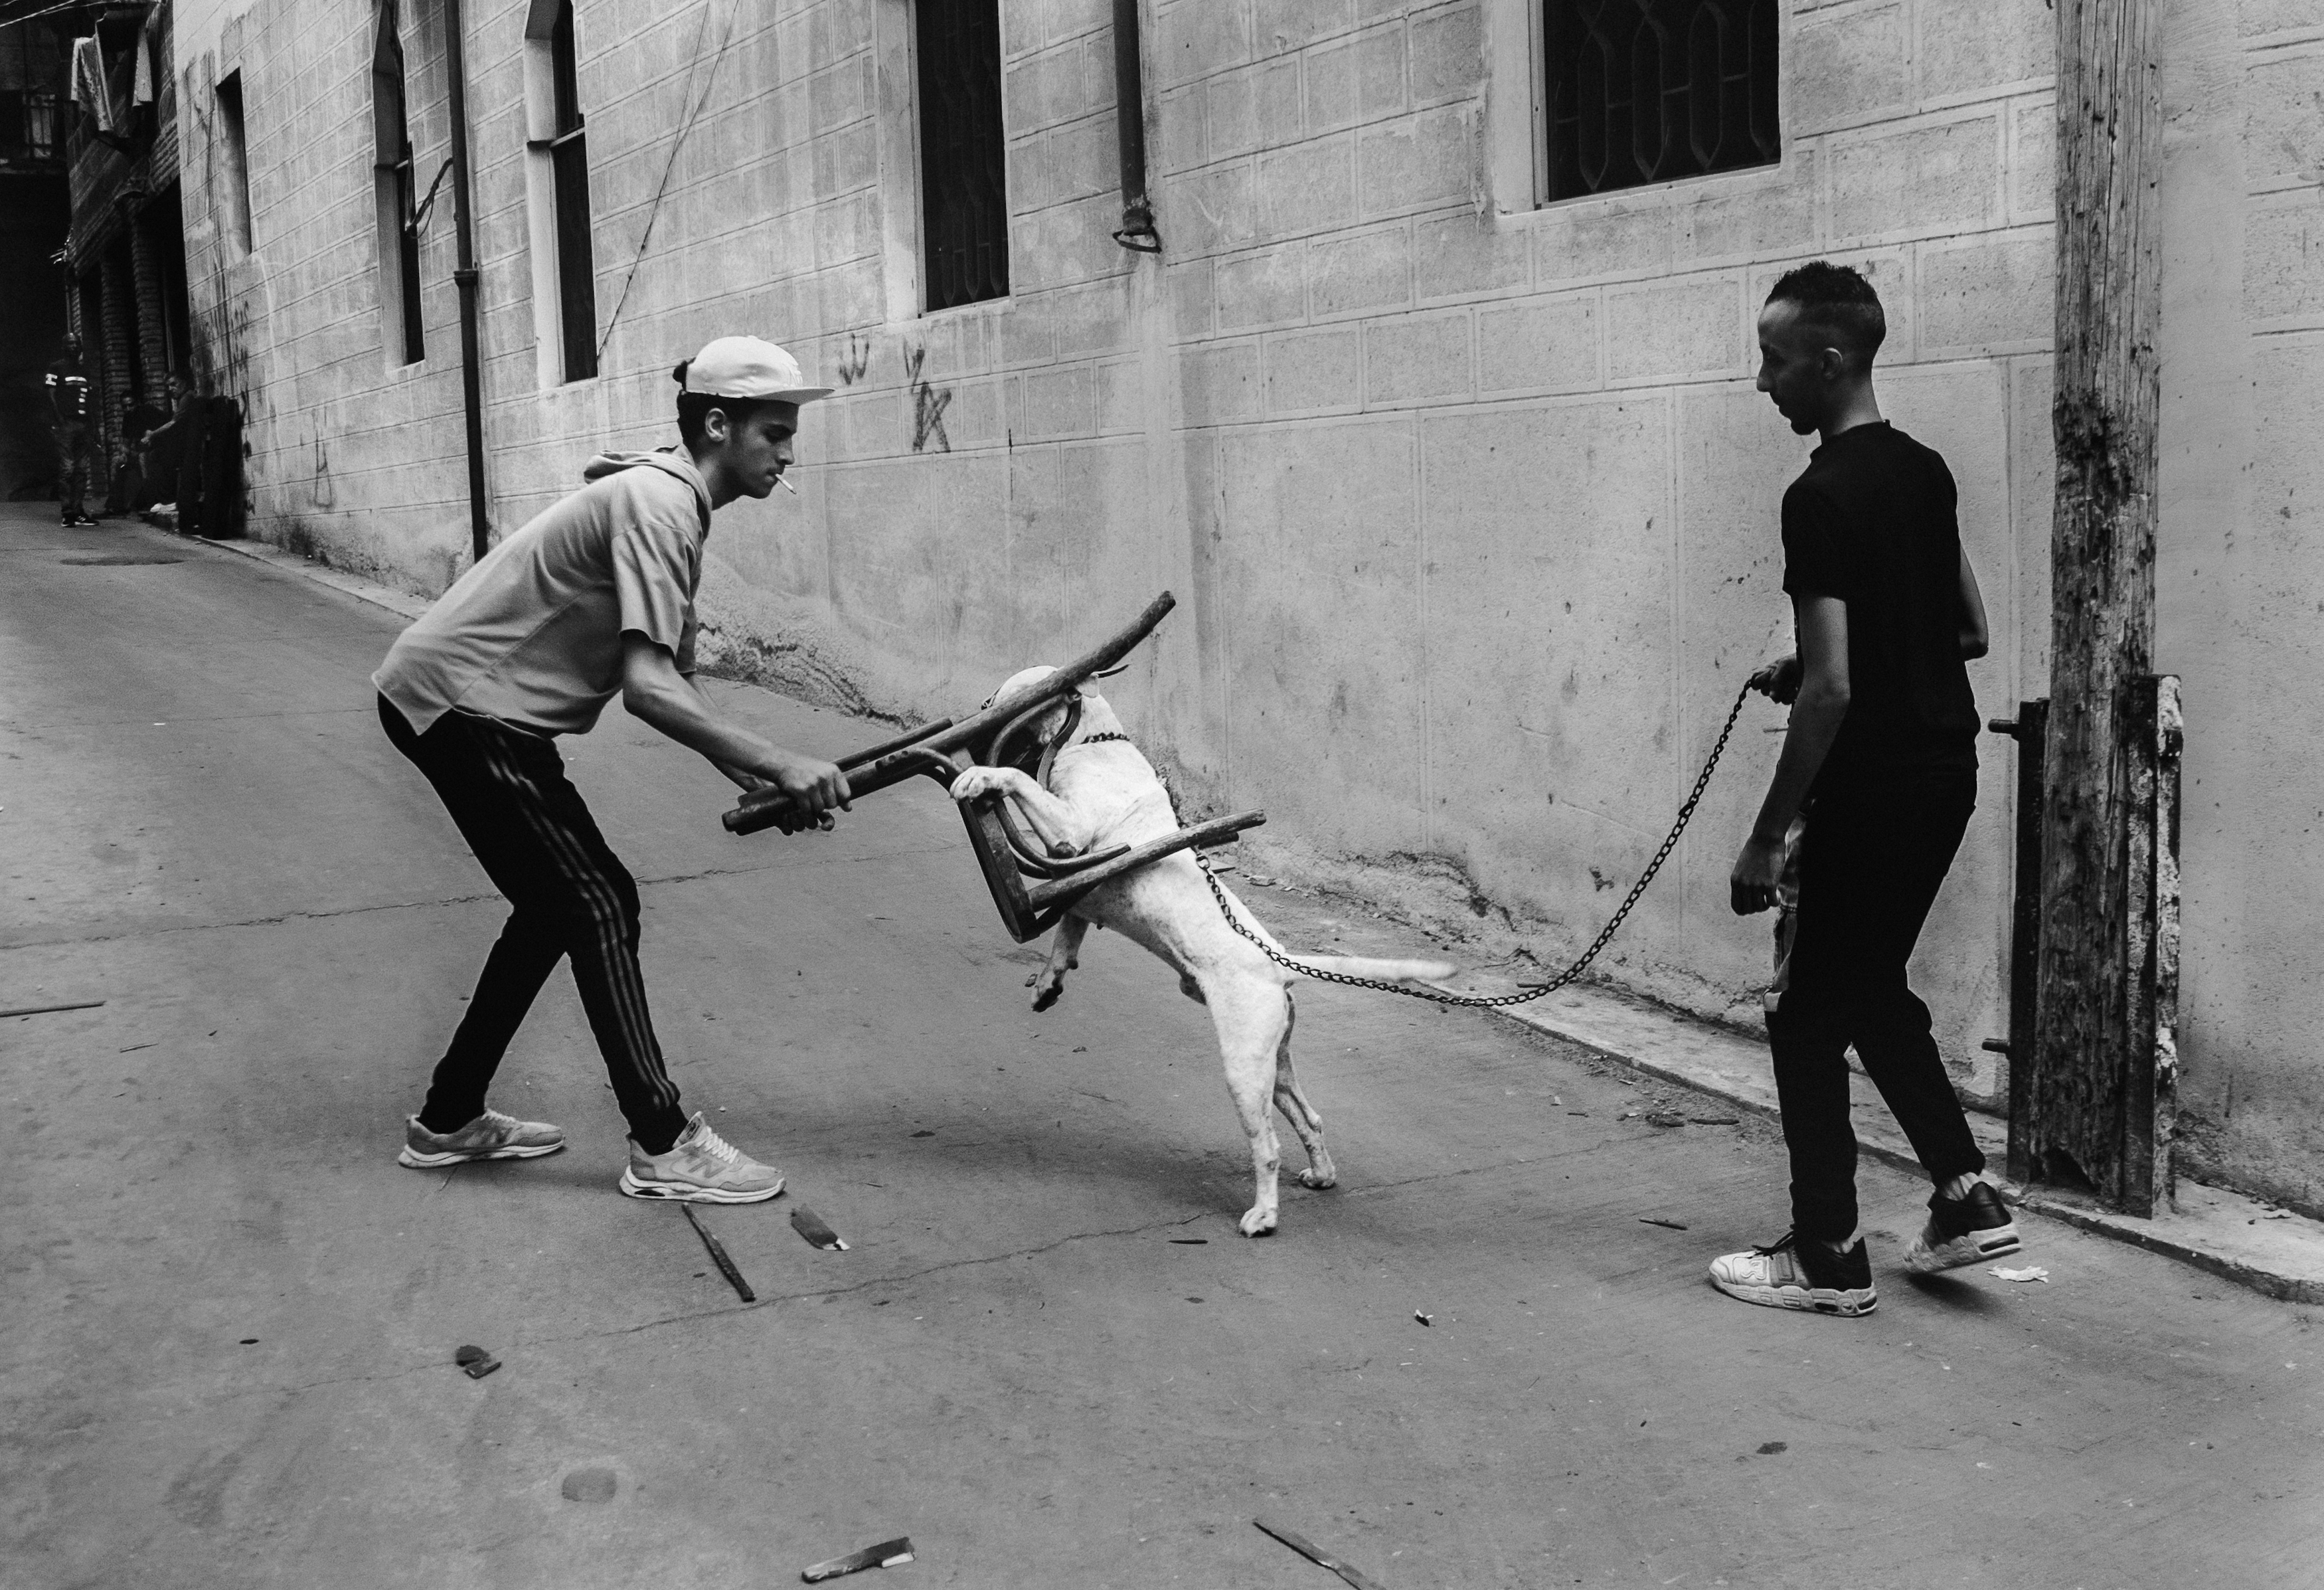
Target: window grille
(392, 162)
(1642, 92)
(963, 183)
(28, 125)
(569, 156)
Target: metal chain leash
(1580, 965)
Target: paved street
(228, 1317)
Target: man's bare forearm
(1815, 724)
(683, 715)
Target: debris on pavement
(1317, 1555)
(1190, 1242)
(887, 1554)
(809, 1225)
(1716, 1120)
(475, 1362)
(1769, 1448)
(1423, 1318)
(718, 1256)
(1666, 1118)
(1258, 880)
(2031, 1272)
(1669, 1225)
(42, 1009)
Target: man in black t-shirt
(1880, 768)
(71, 414)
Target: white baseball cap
(748, 368)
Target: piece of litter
(1577, 1111)
(475, 1362)
(1666, 1118)
(1669, 1225)
(1081, 1048)
(887, 1554)
(809, 1225)
(1423, 1318)
(42, 1009)
(718, 1256)
(1316, 1555)
(2270, 1214)
(1715, 1120)
(1190, 1242)
(1769, 1448)
(2031, 1272)
(923, 1131)
(1260, 880)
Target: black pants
(1871, 861)
(73, 461)
(527, 825)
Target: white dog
(1102, 792)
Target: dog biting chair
(1031, 887)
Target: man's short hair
(694, 408)
(1836, 299)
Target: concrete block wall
(2237, 572)
(1469, 505)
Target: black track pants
(528, 827)
(1871, 863)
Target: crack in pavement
(792, 863)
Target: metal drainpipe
(464, 275)
(1136, 231)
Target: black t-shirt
(1871, 522)
(69, 392)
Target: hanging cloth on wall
(88, 82)
(142, 90)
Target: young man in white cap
(591, 599)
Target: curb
(2221, 1232)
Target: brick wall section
(1472, 514)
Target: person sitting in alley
(72, 418)
(1880, 764)
(591, 599)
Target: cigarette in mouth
(784, 481)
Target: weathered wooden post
(2093, 1061)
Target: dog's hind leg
(1048, 984)
(1252, 1018)
(1303, 1116)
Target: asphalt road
(227, 1316)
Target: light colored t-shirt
(532, 635)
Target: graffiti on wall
(928, 406)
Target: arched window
(393, 194)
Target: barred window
(1639, 91)
(964, 185)
(568, 153)
(394, 192)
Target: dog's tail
(1378, 971)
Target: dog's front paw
(1256, 1221)
(980, 780)
(1319, 1176)
(1046, 993)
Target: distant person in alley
(593, 598)
(1880, 768)
(72, 418)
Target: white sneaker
(1803, 1275)
(701, 1168)
(490, 1136)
